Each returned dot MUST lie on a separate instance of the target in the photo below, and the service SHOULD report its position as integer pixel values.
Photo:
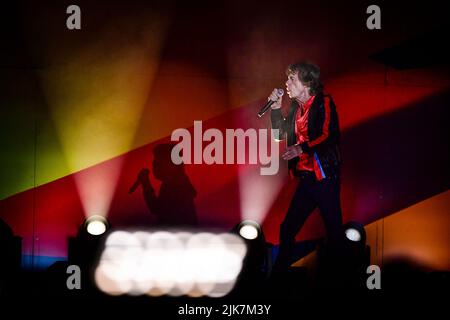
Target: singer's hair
(308, 74)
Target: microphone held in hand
(269, 104)
(134, 186)
(141, 179)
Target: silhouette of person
(174, 206)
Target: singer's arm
(319, 127)
(322, 119)
(279, 122)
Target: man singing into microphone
(312, 132)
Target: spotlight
(84, 249)
(249, 229)
(256, 263)
(342, 263)
(96, 225)
(143, 262)
(355, 232)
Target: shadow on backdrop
(174, 205)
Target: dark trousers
(310, 194)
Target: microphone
(134, 186)
(143, 174)
(269, 103)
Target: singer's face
(295, 88)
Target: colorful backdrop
(82, 111)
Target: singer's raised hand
(143, 175)
(275, 96)
(292, 152)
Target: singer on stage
(312, 132)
